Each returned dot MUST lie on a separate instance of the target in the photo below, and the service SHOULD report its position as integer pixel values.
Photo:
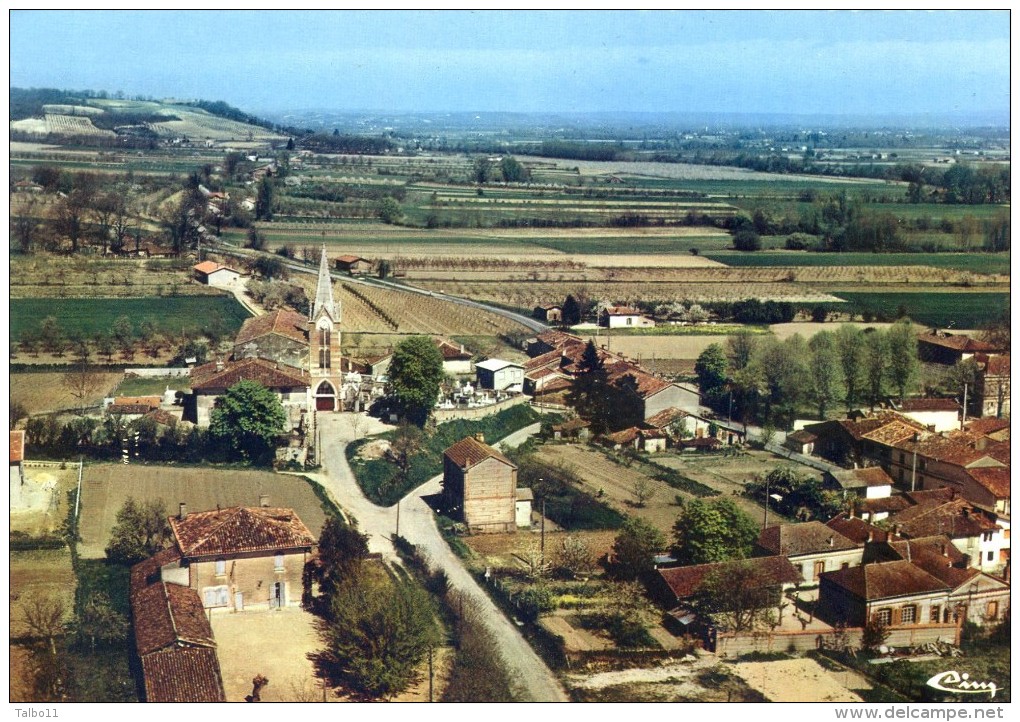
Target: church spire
(324, 291)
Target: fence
(478, 412)
(734, 645)
(152, 373)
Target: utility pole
(398, 517)
(963, 418)
(765, 524)
(542, 536)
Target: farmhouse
(280, 336)
(676, 586)
(210, 381)
(624, 317)
(481, 483)
(802, 442)
(354, 265)
(456, 360)
(942, 347)
(500, 375)
(894, 593)
(214, 274)
(812, 547)
(551, 313)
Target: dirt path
(795, 680)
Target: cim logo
(953, 681)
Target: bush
(747, 241)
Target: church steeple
(324, 291)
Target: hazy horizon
(805, 63)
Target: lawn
(95, 315)
(973, 262)
(142, 386)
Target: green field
(90, 316)
(974, 262)
(961, 310)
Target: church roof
(324, 291)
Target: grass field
(959, 310)
(972, 262)
(95, 315)
(43, 392)
(140, 386)
(38, 573)
(105, 487)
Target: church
(297, 357)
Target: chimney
(263, 500)
(945, 550)
(182, 510)
(896, 530)
(871, 535)
(831, 538)
(480, 437)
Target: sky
(737, 61)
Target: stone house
(894, 593)
(280, 336)
(992, 388)
(811, 546)
(239, 558)
(801, 442)
(456, 360)
(552, 313)
(481, 484)
(212, 380)
(936, 414)
(354, 265)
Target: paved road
(418, 526)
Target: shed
(525, 498)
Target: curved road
(418, 526)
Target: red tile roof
(665, 417)
(684, 581)
(908, 405)
(469, 451)
(957, 519)
(268, 373)
(997, 366)
(625, 436)
(284, 322)
(240, 529)
(17, 447)
(349, 259)
(551, 359)
(161, 417)
(883, 580)
(209, 267)
(994, 479)
(987, 427)
(450, 352)
(622, 311)
(810, 537)
(855, 529)
(128, 409)
(802, 437)
(956, 342)
(169, 615)
(183, 674)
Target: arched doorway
(325, 397)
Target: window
(844, 565)
(987, 536)
(991, 556)
(992, 611)
(884, 616)
(819, 568)
(1005, 534)
(908, 615)
(278, 562)
(324, 356)
(221, 567)
(935, 616)
(216, 596)
(903, 457)
(630, 321)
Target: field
(42, 393)
(97, 315)
(985, 263)
(61, 277)
(942, 310)
(45, 489)
(38, 573)
(105, 487)
(142, 386)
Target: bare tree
(357, 424)
(643, 490)
(576, 556)
(82, 382)
(45, 616)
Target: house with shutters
(812, 547)
(210, 381)
(991, 392)
(237, 558)
(480, 485)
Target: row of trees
(764, 379)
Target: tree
(51, 335)
(270, 267)
(512, 170)
(643, 490)
(783, 369)
(740, 349)
(256, 240)
(105, 346)
(850, 346)
(741, 597)
(24, 223)
(876, 354)
(711, 369)
(71, 211)
(389, 211)
(377, 634)
(482, 170)
(247, 419)
(264, 200)
(902, 349)
(99, 622)
(415, 373)
(342, 549)
(712, 531)
(82, 382)
(16, 411)
(141, 530)
(180, 220)
(571, 311)
(635, 546)
(824, 371)
(746, 241)
(479, 673)
(591, 395)
(576, 557)
(406, 443)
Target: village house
(870, 483)
(173, 638)
(210, 381)
(550, 313)
(280, 336)
(481, 484)
(894, 593)
(942, 347)
(936, 414)
(456, 360)
(624, 317)
(241, 557)
(574, 429)
(812, 547)
(552, 341)
(800, 442)
(353, 265)
(217, 275)
(500, 375)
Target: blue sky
(685, 61)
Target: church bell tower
(324, 343)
